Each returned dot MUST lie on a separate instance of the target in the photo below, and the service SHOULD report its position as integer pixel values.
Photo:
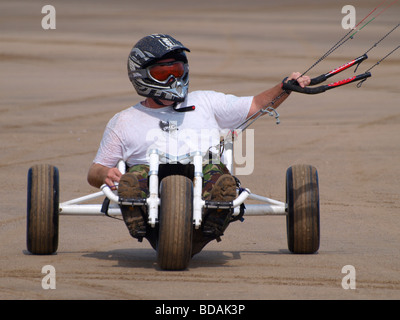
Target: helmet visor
(162, 72)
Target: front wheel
(174, 247)
(302, 198)
(42, 209)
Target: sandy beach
(60, 87)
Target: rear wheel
(302, 198)
(42, 209)
(174, 247)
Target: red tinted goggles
(163, 71)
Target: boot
(217, 220)
(128, 188)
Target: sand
(60, 87)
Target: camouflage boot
(128, 188)
(217, 220)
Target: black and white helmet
(147, 52)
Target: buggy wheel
(174, 247)
(302, 198)
(42, 209)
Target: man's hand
(303, 81)
(98, 175)
(264, 98)
(113, 175)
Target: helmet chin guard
(148, 51)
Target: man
(158, 69)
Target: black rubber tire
(174, 247)
(303, 215)
(42, 209)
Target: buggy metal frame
(268, 206)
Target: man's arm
(261, 100)
(99, 174)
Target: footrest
(132, 202)
(218, 204)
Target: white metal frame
(268, 207)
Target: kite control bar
(292, 85)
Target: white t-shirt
(131, 133)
